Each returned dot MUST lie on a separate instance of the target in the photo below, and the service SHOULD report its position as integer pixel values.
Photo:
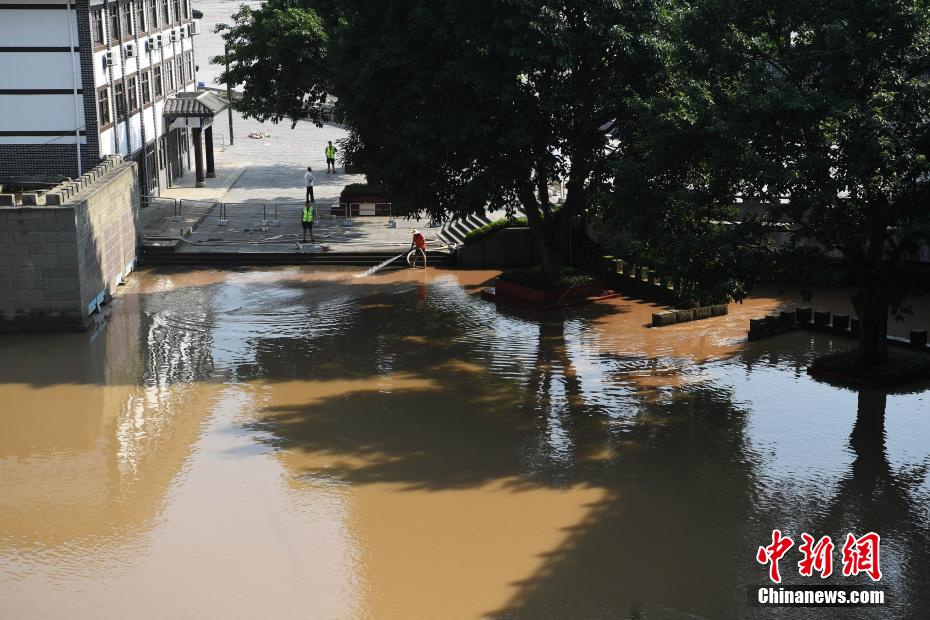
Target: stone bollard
(918, 337)
(653, 277)
(787, 317)
(757, 328)
(803, 315)
(854, 326)
(821, 318)
(30, 200)
(841, 322)
(628, 269)
(641, 273)
(7, 200)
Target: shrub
(535, 278)
(362, 189)
(487, 229)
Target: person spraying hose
(417, 249)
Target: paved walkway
(260, 180)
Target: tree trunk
(550, 255)
(871, 302)
(873, 327)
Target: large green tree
(820, 111)
(459, 106)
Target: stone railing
(66, 191)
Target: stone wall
(58, 263)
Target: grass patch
(535, 278)
(362, 189)
(487, 229)
(902, 367)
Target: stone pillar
(208, 138)
(198, 156)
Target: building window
(103, 106)
(156, 80)
(187, 9)
(169, 75)
(127, 18)
(119, 98)
(132, 85)
(146, 87)
(114, 24)
(97, 32)
(178, 69)
(190, 66)
(165, 12)
(177, 10)
(151, 7)
(140, 16)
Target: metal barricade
(195, 209)
(171, 205)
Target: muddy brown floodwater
(306, 444)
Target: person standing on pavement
(330, 158)
(307, 221)
(308, 182)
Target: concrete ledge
(671, 317)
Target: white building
(82, 81)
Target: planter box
(548, 297)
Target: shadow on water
(409, 380)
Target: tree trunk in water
(550, 255)
(873, 328)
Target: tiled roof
(196, 104)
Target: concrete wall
(506, 249)
(59, 263)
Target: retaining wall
(509, 248)
(59, 262)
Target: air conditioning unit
(149, 45)
(107, 59)
(182, 31)
(174, 36)
(130, 50)
(195, 27)
(159, 41)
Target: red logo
(860, 555)
(773, 553)
(817, 557)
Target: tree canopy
(460, 106)
(818, 112)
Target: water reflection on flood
(307, 444)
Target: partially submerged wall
(59, 262)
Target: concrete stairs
(455, 231)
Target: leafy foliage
(818, 115)
(362, 189)
(280, 53)
(459, 106)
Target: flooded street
(301, 443)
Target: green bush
(901, 367)
(487, 229)
(535, 278)
(362, 189)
